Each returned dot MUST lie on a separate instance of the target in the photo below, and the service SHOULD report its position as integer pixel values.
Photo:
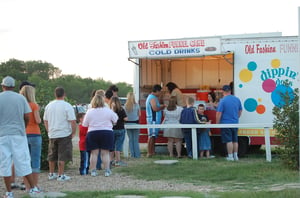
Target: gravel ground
(100, 183)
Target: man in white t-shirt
(60, 122)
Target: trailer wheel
(243, 146)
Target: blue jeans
(35, 149)
(187, 133)
(84, 162)
(119, 139)
(134, 147)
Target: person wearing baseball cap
(8, 81)
(14, 116)
(228, 112)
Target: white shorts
(14, 149)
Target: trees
(286, 123)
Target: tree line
(47, 77)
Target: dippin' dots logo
(272, 82)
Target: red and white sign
(174, 48)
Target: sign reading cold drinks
(174, 48)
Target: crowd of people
(101, 130)
(181, 110)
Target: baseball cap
(226, 88)
(8, 81)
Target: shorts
(229, 135)
(119, 137)
(60, 149)
(152, 132)
(100, 139)
(35, 149)
(14, 150)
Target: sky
(90, 38)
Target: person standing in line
(204, 139)
(119, 131)
(100, 119)
(102, 93)
(14, 117)
(153, 116)
(175, 91)
(189, 116)
(114, 89)
(60, 123)
(228, 112)
(13, 184)
(33, 133)
(172, 116)
(84, 154)
(132, 109)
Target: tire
(243, 146)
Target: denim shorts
(229, 135)
(152, 132)
(35, 149)
(119, 135)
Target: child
(84, 154)
(189, 116)
(119, 131)
(205, 144)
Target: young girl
(119, 130)
(172, 115)
(204, 140)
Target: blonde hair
(130, 102)
(97, 100)
(100, 92)
(190, 100)
(29, 93)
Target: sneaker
(22, 186)
(9, 195)
(63, 178)
(107, 173)
(14, 185)
(94, 173)
(52, 176)
(229, 158)
(120, 163)
(34, 192)
(236, 158)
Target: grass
(250, 177)
(248, 173)
(287, 193)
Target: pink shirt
(101, 118)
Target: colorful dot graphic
(275, 63)
(252, 66)
(269, 85)
(245, 75)
(250, 104)
(281, 95)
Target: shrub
(286, 124)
